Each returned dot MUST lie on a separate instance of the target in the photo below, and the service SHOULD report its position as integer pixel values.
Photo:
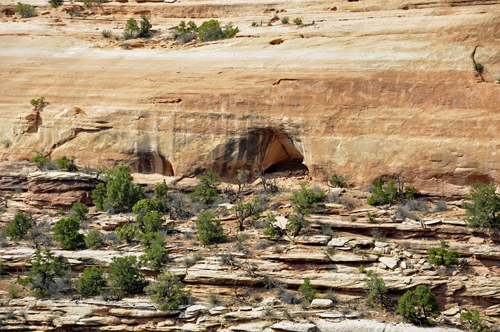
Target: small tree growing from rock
(376, 288)
(441, 256)
(45, 269)
(418, 306)
(303, 200)
(40, 160)
(383, 195)
(94, 239)
(206, 191)
(67, 164)
(155, 253)
(307, 290)
(80, 211)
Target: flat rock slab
(390, 262)
(321, 303)
(250, 327)
(365, 325)
(287, 326)
(314, 239)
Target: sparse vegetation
(167, 292)
(338, 181)
(206, 191)
(303, 200)
(145, 26)
(285, 20)
(211, 30)
(383, 195)
(107, 33)
(209, 229)
(25, 10)
(376, 288)
(55, 3)
(131, 29)
(297, 21)
(473, 321)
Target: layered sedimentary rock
(367, 91)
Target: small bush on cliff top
(125, 276)
(418, 306)
(383, 195)
(441, 256)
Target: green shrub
(19, 227)
(107, 33)
(383, 195)
(482, 206)
(285, 20)
(91, 281)
(80, 210)
(13, 292)
(131, 29)
(376, 288)
(167, 292)
(25, 10)
(145, 26)
(45, 269)
(127, 232)
(246, 210)
(254, 24)
(209, 229)
(55, 3)
(151, 222)
(303, 200)
(307, 290)
(125, 275)
(297, 21)
(338, 181)
(39, 160)
(94, 239)
(67, 164)
(479, 67)
(410, 192)
(206, 191)
(211, 30)
(117, 193)
(66, 232)
(441, 256)
(473, 321)
(418, 306)
(155, 253)
(40, 102)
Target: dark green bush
(125, 275)
(338, 181)
(297, 21)
(473, 321)
(45, 269)
(91, 281)
(211, 30)
(285, 20)
(418, 306)
(167, 292)
(151, 222)
(19, 227)
(145, 26)
(375, 287)
(67, 164)
(55, 3)
(94, 239)
(131, 29)
(482, 206)
(80, 211)
(209, 229)
(155, 253)
(441, 256)
(127, 232)
(25, 10)
(117, 193)
(410, 192)
(66, 232)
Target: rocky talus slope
(230, 282)
(363, 89)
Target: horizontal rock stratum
(371, 89)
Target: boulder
(321, 303)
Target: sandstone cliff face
(371, 90)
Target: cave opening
(154, 164)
